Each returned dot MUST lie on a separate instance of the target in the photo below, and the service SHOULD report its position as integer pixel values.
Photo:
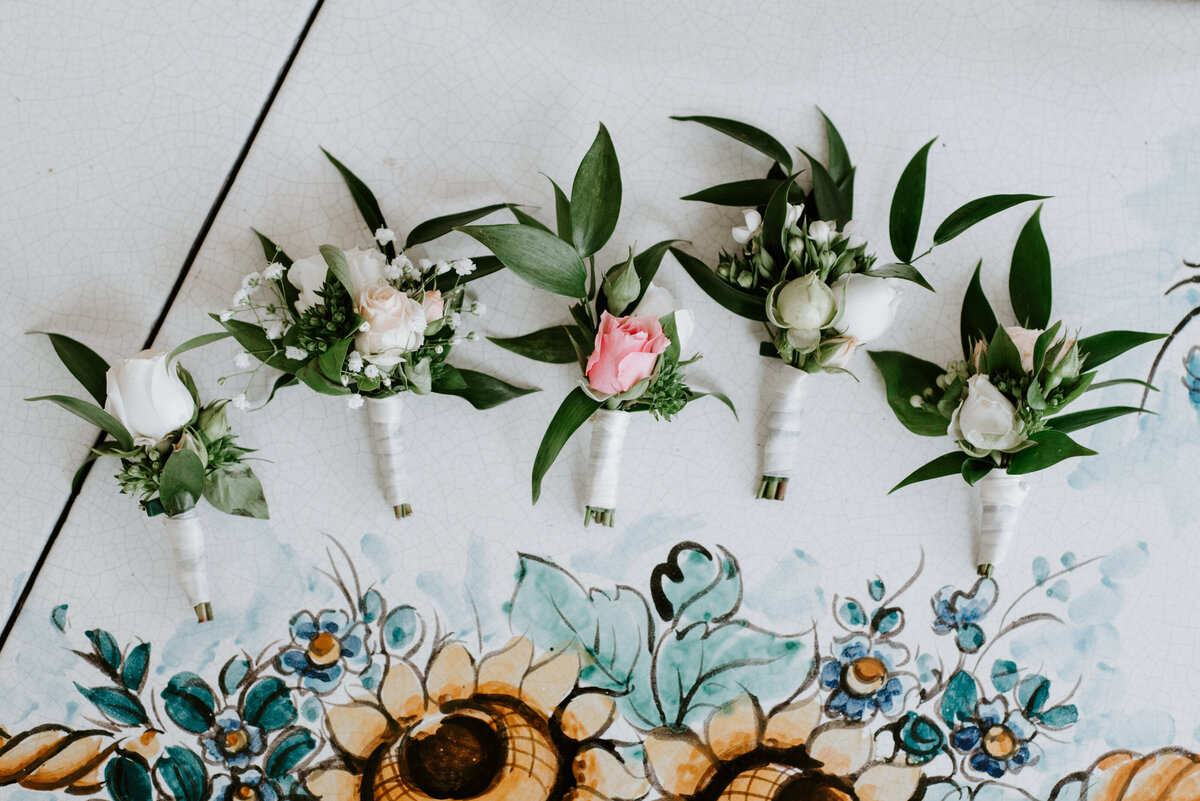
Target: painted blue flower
(232, 742)
(960, 612)
(997, 740)
(244, 785)
(324, 649)
(864, 679)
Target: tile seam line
(188, 261)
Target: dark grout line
(188, 262)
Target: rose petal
(356, 728)
(588, 714)
(451, 676)
(792, 725)
(401, 692)
(333, 785)
(501, 672)
(735, 728)
(887, 783)
(548, 683)
(677, 763)
(842, 750)
(600, 769)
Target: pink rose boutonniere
(626, 334)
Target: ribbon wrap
(783, 422)
(604, 457)
(1000, 499)
(385, 417)
(191, 560)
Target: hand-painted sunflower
(746, 755)
(505, 729)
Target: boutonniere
(626, 335)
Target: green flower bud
(191, 442)
(212, 422)
(621, 286)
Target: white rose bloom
(397, 325)
(986, 420)
(805, 303)
(149, 400)
(658, 302)
(744, 233)
(866, 306)
(852, 231)
(307, 275)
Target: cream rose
(803, 306)
(396, 325)
(147, 398)
(866, 306)
(307, 275)
(986, 420)
(434, 305)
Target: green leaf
(575, 409)
(183, 773)
(976, 211)
(484, 391)
(538, 258)
(133, 674)
(721, 396)
(978, 321)
(1002, 353)
(106, 648)
(744, 194)
(440, 226)
(94, 415)
(128, 778)
(562, 213)
(268, 705)
(1052, 447)
(904, 271)
(773, 219)
(254, 341)
(738, 301)
(85, 364)
(271, 251)
(552, 345)
(647, 263)
(368, 206)
(288, 750)
(331, 361)
(907, 203)
(311, 376)
(1067, 423)
(1029, 276)
(975, 469)
(235, 490)
(339, 268)
(182, 482)
(524, 218)
(760, 140)
(198, 342)
(906, 376)
(484, 266)
(1100, 348)
(839, 159)
(117, 704)
(190, 703)
(596, 196)
(826, 195)
(1117, 381)
(1041, 345)
(948, 464)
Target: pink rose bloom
(626, 351)
(433, 305)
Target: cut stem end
(402, 511)
(985, 570)
(772, 488)
(603, 517)
(204, 612)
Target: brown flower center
(324, 649)
(1000, 743)
(865, 676)
(245, 792)
(456, 758)
(236, 741)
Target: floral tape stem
(187, 545)
(783, 432)
(604, 465)
(1000, 499)
(385, 417)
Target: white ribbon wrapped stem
(783, 431)
(385, 417)
(604, 463)
(191, 560)
(1000, 499)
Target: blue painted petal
(257, 741)
(212, 751)
(322, 681)
(332, 620)
(354, 654)
(352, 640)
(992, 713)
(855, 708)
(891, 655)
(974, 609)
(985, 764)
(837, 702)
(238, 760)
(831, 673)
(889, 698)
(291, 661)
(966, 738)
(1020, 726)
(1021, 757)
(266, 791)
(303, 627)
(229, 720)
(854, 647)
(252, 777)
(221, 785)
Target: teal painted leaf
(959, 699)
(969, 638)
(88, 367)
(976, 211)
(907, 204)
(117, 704)
(876, 589)
(852, 614)
(1032, 693)
(888, 620)
(619, 648)
(574, 411)
(906, 376)
(1029, 286)
(288, 751)
(106, 647)
(693, 585)
(758, 139)
(233, 674)
(59, 617)
(370, 606)
(1059, 717)
(127, 778)
(538, 258)
(595, 196)
(1004, 675)
(190, 702)
(268, 705)
(133, 674)
(183, 773)
(402, 629)
(920, 737)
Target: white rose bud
(658, 302)
(148, 399)
(805, 303)
(986, 419)
(821, 233)
(1025, 339)
(867, 306)
(742, 234)
(397, 323)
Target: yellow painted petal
(587, 715)
(584, 794)
(356, 728)
(842, 749)
(888, 783)
(500, 672)
(677, 763)
(734, 729)
(792, 725)
(333, 785)
(401, 692)
(547, 683)
(28, 750)
(599, 769)
(78, 756)
(452, 675)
